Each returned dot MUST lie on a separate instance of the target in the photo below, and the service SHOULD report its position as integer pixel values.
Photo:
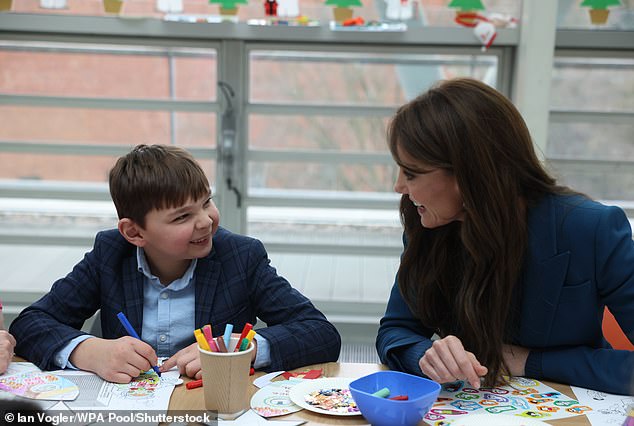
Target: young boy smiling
(170, 269)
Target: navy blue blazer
(580, 258)
(234, 284)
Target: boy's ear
(131, 232)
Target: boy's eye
(181, 217)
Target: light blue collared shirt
(168, 317)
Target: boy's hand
(117, 361)
(448, 361)
(187, 360)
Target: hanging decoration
(599, 11)
(53, 4)
(228, 7)
(169, 6)
(399, 10)
(342, 8)
(112, 6)
(465, 9)
(485, 28)
(288, 8)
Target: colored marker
(227, 335)
(382, 393)
(221, 344)
(128, 327)
(1, 317)
(250, 336)
(399, 398)
(202, 342)
(194, 384)
(210, 338)
(245, 332)
(244, 345)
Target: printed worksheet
(523, 397)
(608, 409)
(146, 392)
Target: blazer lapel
(207, 275)
(544, 276)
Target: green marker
(382, 393)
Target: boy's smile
(173, 236)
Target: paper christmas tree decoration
(341, 10)
(228, 7)
(112, 6)
(466, 10)
(599, 10)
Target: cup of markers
(225, 363)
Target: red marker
(243, 335)
(399, 398)
(194, 384)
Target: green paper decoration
(465, 5)
(344, 3)
(228, 4)
(600, 4)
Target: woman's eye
(408, 175)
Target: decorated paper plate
(496, 420)
(325, 396)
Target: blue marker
(128, 327)
(227, 335)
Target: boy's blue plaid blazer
(234, 284)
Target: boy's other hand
(119, 360)
(187, 360)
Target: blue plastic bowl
(421, 393)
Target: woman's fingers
(448, 361)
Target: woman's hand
(7, 344)
(448, 361)
(119, 360)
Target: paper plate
(496, 420)
(299, 392)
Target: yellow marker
(200, 338)
(250, 336)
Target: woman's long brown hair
(459, 279)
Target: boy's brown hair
(155, 177)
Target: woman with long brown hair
(508, 269)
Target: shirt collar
(177, 284)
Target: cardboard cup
(226, 380)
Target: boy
(170, 269)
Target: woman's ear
(131, 231)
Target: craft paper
(39, 385)
(273, 400)
(608, 409)
(522, 397)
